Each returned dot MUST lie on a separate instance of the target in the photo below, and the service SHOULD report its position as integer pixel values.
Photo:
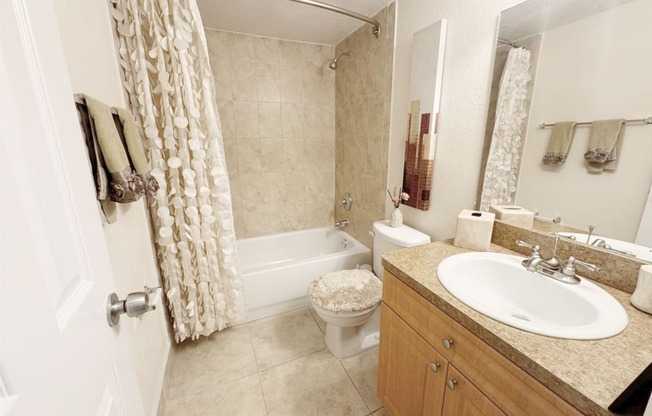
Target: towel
(107, 207)
(137, 152)
(604, 145)
(559, 143)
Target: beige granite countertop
(587, 374)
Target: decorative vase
(396, 219)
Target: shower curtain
(166, 73)
(501, 174)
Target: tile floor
(277, 366)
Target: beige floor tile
(201, 365)
(242, 397)
(315, 385)
(380, 412)
(285, 337)
(320, 322)
(363, 369)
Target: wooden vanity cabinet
(428, 364)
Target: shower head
(333, 64)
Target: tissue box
(511, 214)
(474, 229)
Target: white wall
(470, 45)
(87, 38)
(592, 69)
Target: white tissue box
(514, 215)
(474, 230)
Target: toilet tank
(387, 238)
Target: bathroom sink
(497, 285)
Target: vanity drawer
(512, 389)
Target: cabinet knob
(434, 367)
(451, 383)
(447, 343)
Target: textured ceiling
(285, 19)
(536, 16)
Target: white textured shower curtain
(162, 52)
(501, 174)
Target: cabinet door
(463, 398)
(411, 374)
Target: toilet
(347, 300)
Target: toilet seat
(344, 291)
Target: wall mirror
(425, 90)
(589, 61)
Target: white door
(58, 354)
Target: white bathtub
(277, 269)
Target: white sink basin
(497, 285)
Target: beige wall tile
(267, 83)
(294, 154)
(246, 118)
(241, 47)
(293, 120)
(266, 50)
(269, 115)
(243, 81)
(222, 75)
(250, 157)
(363, 88)
(227, 118)
(292, 84)
(289, 53)
(273, 155)
(253, 75)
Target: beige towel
(559, 143)
(604, 145)
(136, 151)
(124, 185)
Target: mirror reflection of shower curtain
(503, 162)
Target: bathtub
(277, 269)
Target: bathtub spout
(342, 224)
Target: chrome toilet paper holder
(135, 304)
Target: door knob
(447, 343)
(451, 383)
(434, 367)
(135, 304)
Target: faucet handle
(534, 247)
(569, 267)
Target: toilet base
(344, 342)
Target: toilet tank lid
(403, 236)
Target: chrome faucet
(534, 260)
(568, 272)
(342, 224)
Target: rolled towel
(136, 151)
(559, 143)
(604, 145)
(123, 183)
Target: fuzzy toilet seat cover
(346, 290)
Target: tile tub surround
(275, 366)
(363, 95)
(276, 101)
(587, 374)
(616, 270)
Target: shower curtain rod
(508, 42)
(376, 26)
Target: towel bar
(646, 120)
